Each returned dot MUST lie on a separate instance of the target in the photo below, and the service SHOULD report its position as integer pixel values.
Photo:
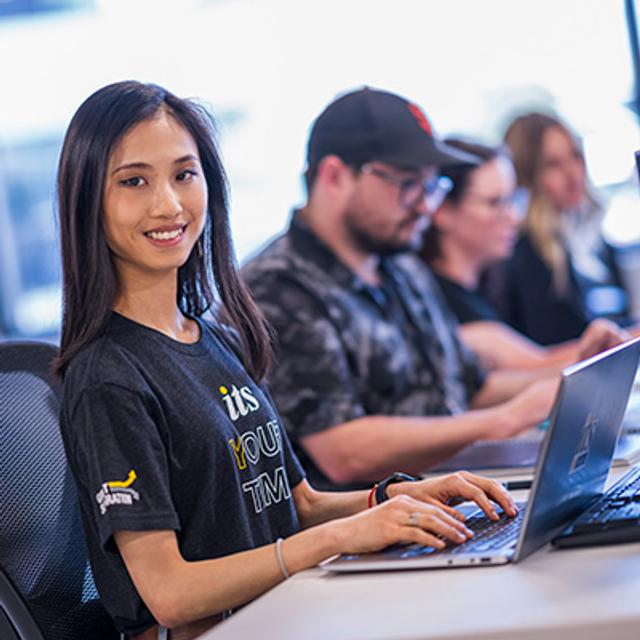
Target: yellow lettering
(238, 452)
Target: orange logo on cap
(417, 113)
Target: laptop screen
(576, 454)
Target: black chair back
(46, 586)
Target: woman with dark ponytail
(192, 501)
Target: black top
(165, 435)
(346, 349)
(468, 305)
(530, 304)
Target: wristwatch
(381, 488)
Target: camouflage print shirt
(345, 349)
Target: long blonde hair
(544, 222)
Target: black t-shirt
(529, 302)
(164, 435)
(468, 305)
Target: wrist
(334, 539)
(502, 421)
(397, 489)
(382, 490)
(309, 548)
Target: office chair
(46, 587)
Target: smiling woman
(110, 147)
(193, 502)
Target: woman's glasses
(515, 202)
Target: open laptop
(572, 468)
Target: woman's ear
(443, 217)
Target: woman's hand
(601, 334)
(400, 519)
(455, 488)
(527, 409)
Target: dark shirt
(345, 349)
(530, 303)
(162, 435)
(468, 305)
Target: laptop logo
(584, 444)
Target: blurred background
(266, 68)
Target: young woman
(192, 501)
(476, 227)
(562, 274)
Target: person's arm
(502, 385)
(501, 347)
(179, 592)
(315, 507)
(368, 448)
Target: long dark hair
(89, 277)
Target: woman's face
(155, 198)
(561, 177)
(484, 223)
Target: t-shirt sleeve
(310, 381)
(120, 461)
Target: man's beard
(368, 243)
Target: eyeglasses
(413, 190)
(515, 202)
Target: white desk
(573, 594)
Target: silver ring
(413, 519)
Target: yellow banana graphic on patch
(118, 484)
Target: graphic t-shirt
(164, 435)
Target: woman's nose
(167, 201)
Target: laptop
(572, 468)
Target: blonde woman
(562, 274)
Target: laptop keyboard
(617, 509)
(490, 535)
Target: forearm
(315, 507)
(178, 592)
(500, 347)
(369, 448)
(504, 384)
(562, 354)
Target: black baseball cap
(369, 124)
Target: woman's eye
(186, 176)
(135, 181)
